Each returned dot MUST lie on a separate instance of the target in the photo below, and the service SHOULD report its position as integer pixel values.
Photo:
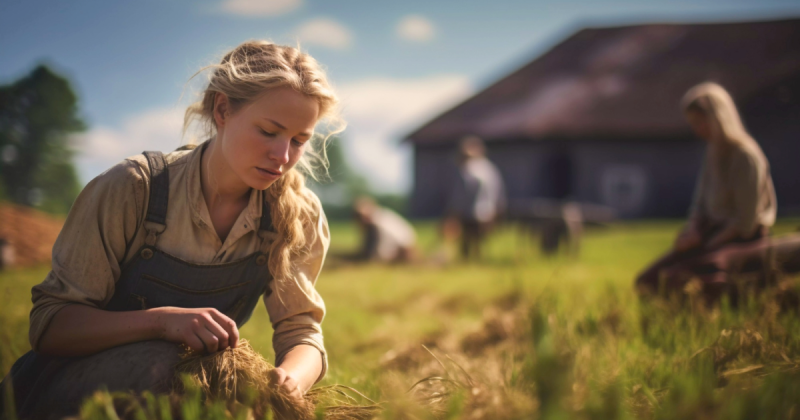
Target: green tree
(38, 113)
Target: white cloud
(324, 32)
(103, 147)
(415, 28)
(381, 110)
(260, 8)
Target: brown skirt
(715, 268)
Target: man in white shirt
(478, 196)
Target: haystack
(29, 235)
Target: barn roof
(622, 82)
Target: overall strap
(156, 219)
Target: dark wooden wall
(666, 171)
(577, 170)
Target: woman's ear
(221, 108)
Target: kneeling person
(386, 236)
(734, 199)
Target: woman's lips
(269, 173)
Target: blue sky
(395, 64)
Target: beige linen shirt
(104, 230)
(735, 189)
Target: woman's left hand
(280, 378)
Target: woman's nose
(279, 151)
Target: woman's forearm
(304, 364)
(80, 330)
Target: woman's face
(264, 139)
(701, 125)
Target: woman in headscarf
(734, 200)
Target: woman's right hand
(199, 328)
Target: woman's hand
(298, 371)
(729, 234)
(199, 328)
(688, 239)
(279, 378)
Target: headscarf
(716, 103)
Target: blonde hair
(713, 101)
(243, 75)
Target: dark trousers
(473, 233)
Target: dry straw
(240, 377)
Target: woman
(734, 200)
(164, 250)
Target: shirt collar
(194, 193)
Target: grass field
(523, 336)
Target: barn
(596, 118)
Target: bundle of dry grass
(240, 378)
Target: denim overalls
(52, 387)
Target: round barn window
(624, 188)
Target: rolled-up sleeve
(91, 246)
(295, 308)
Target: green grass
(579, 345)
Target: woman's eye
(268, 134)
(297, 143)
